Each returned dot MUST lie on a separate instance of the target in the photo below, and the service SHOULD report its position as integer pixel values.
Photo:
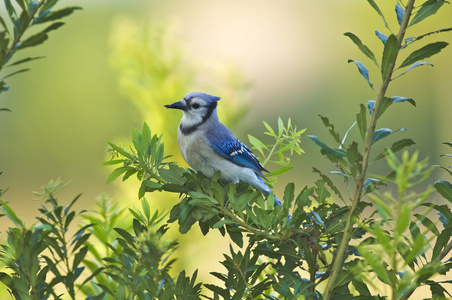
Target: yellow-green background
(293, 55)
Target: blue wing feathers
(228, 146)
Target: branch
(340, 255)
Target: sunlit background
(115, 63)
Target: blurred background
(116, 63)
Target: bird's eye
(196, 105)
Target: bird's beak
(178, 105)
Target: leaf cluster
(392, 46)
(21, 16)
(286, 139)
(42, 257)
(140, 263)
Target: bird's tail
(265, 189)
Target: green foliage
(396, 248)
(388, 241)
(287, 139)
(42, 257)
(106, 217)
(140, 263)
(23, 15)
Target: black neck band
(193, 128)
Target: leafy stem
(20, 34)
(270, 154)
(337, 265)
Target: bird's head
(197, 108)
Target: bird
(209, 146)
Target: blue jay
(208, 146)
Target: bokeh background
(115, 63)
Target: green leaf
(146, 208)
(175, 188)
(11, 11)
(364, 49)
(58, 14)
(427, 9)
(257, 144)
(280, 126)
(397, 146)
(381, 133)
(437, 291)
(14, 73)
(117, 172)
(79, 256)
(403, 219)
(362, 121)
(25, 60)
(427, 223)
(39, 38)
(363, 70)
(361, 287)
(11, 214)
(113, 162)
(322, 195)
(354, 157)
(54, 26)
(236, 236)
(280, 171)
(223, 222)
(289, 192)
(172, 175)
(21, 24)
(429, 33)
(121, 151)
(330, 127)
(337, 152)
(125, 235)
(6, 280)
(441, 242)
(424, 52)
(444, 188)
(270, 132)
(386, 102)
(390, 52)
(328, 181)
(377, 9)
(416, 64)
(152, 185)
(2, 21)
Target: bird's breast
(196, 150)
